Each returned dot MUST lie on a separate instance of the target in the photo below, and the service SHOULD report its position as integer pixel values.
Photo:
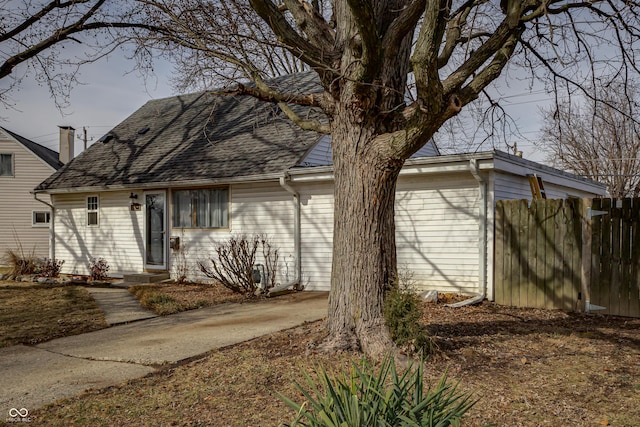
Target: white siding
(17, 205)
(508, 186)
(436, 232)
(264, 209)
(316, 227)
(118, 238)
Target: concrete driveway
(32, 376)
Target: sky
(111, 92)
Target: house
(24, 221)
(198, 168)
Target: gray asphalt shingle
(194, 138)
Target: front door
(155, 226)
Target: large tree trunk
(364, 251)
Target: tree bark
(364, 251)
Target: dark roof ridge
(46, 154)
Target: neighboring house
(24, 222)
(200, 167)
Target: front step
(146, 277)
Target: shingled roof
(193, 139)
(46, 154)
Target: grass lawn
(170, 298)
(31, 313)
(528, 368)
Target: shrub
(382, 398)
(51, 267)
(98, 268)
(181, 266)
(402, 314)
(20, 263)
(235, 261)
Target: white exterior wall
(436, 232)
(118, 238)
(265, 209)
(316, 228)
(17, 205)
(517, 187)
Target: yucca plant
(366, 398)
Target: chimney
(67, 137)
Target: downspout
(52, 229)
(482, 229)
(482, 240)
(296, 282)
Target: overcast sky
(111, 92)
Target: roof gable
(45, 154)
(193, 138)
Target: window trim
(13, 165)
(91, 211)
(36, 224)
(227, 227)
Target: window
(41, 218)
(6, 164)
(203, 208)
(92, 210)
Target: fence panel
(539, 254)
(614, 274)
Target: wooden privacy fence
(572, 254)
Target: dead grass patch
(30, 313)
(170, 298)
(528, 368)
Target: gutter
(52, 229)
(482, 241)
(297, 240)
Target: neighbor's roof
(195, 138)
(46, 154)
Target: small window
(92, 210)
(6, 164)
(203, 208)
(41, 218)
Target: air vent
(105, 138)
(143, 130)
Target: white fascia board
(159, 185)
(419, 166)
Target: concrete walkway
(119, 305)
(32, 376)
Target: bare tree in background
(598, 139)
(50, 40)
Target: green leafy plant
(98, 268)
(365, 397)
(402, 313)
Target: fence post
(585, 270)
